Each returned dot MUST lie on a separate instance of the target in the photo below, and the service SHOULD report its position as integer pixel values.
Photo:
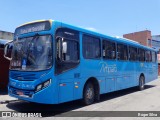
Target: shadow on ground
(65, 109)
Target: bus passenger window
(122, 52)
(132, 54)
(91, 47)
(141, 55)
(148, 56)
(154, 56)
(109, 50)
(72, 53)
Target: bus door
(109, 70)
(110, 84)
(66, 64)
(148, 66)
(149, 71)
(109, 65)
(124, 78)
(152, 66)
(69, 85)
(123, 68)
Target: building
(156, 42)
(145, 38)
(156, 37)
(6, 35)
(142, 37)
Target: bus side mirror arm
(62, 49)
(6, 50)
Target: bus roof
(116, 39)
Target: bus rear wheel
(141, 83)
(88, 94)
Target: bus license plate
(20, 93)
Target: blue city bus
(53, 62)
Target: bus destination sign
(33, 27)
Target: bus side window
(109, 50)
(148, 56)
(72, 53)
(132, 53)
(141, 53)
(91, 47)
(122, 52)
(153, 56)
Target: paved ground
(5, 97)
(125, 100)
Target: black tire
(141, 83)
(88, 94)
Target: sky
(110, 17)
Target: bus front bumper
(44, 96)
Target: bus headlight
(39, 87)
(43, 85)
(46, 83)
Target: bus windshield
(32, 53)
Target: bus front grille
(23, 77)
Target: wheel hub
(89, 93)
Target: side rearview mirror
(7, 50)
(64, 46)
(61, 49)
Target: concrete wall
(6, 35)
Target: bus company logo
(141, 64)
(108, 68)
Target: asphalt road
(125, 100)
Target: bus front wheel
(141, 83)
(88, 94)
